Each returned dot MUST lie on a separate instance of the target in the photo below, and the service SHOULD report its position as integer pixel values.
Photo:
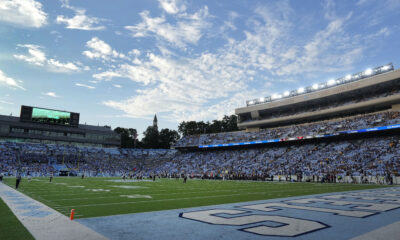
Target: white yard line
(143, 191)
(43, 222)
(169, 199)
(115, 194)
(188, 198)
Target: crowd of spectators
(364, 157)
(30, 159)
(306, 129)
(369, 156)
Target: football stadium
(198, 120)
(307, 163)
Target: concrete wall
(346, 179)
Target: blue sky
(120, 62)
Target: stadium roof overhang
(347, 90)
(351, 109)
(341, 89)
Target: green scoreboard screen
(49, 116)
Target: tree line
(153, 138)
(227, 124)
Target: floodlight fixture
(331, 82)
(354, 77)
(385, 68)
(368, 72)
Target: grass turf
(92, 197)
(10, 227)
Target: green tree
(168, 137)
(128, 137)
(188, 128)
(227, 124)
(133, 141)
(151, 138)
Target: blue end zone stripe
(301, 137)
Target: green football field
(92, 197)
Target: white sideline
(42, 222)
(383, 233)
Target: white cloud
(178, 88)
(26, 13)
(100, 49)
(84, 85)
(80, 21)
(106, 75)
(51, 94)
(329, 7)
(213, 111)
(172, 6)
(322, 52)
(210, 84)
(6, 102)
(38, 57)
(57, 66)
(117, 85)
(229, 22)
(10, 82)
(361, 2)
(134, 52)
(187, 30)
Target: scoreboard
(49, 116)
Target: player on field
(185, 178)
(17, 181)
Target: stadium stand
(364, 102)
(321, 127)
(365, 159)
(45, 159)
(351, 136)
(370, 91)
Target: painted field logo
(287, 226)
(354, 205)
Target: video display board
(49, 116)
(42, 115)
